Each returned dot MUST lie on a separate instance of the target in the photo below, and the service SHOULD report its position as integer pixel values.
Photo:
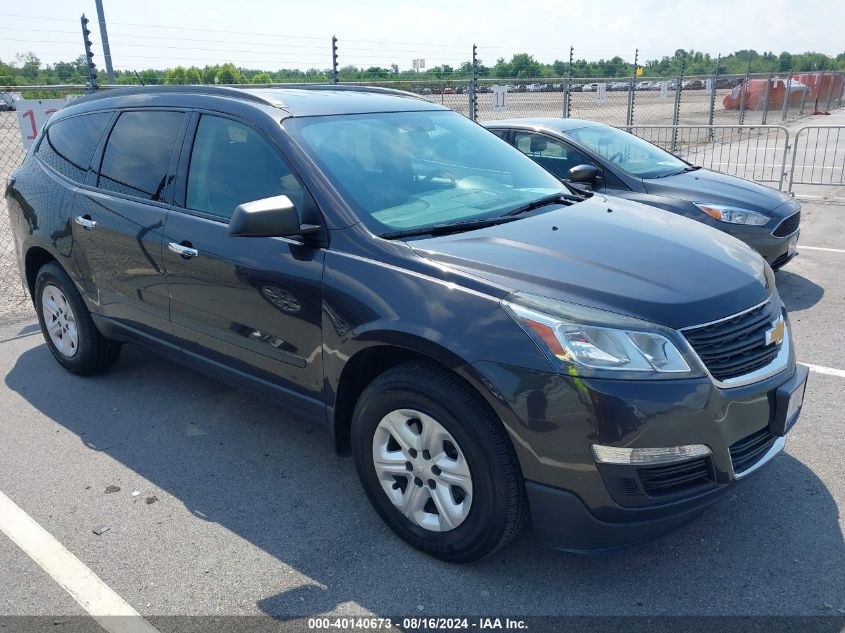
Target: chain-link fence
(13, 298)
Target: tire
(464, 436)
(76, 343)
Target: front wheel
(436, 464)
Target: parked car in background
(591, 87)
(8, 100)
(448, 90)
(484, 341)
(534, 88)
(619, 85)
(614, 162)
(575, 87)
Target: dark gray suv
(486, 343)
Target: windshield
(410, 170)
(630, 153)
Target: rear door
(119, 216)
(247, 307)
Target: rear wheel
(67, 326)
(436, 464)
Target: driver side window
(231, 164)
(556, 156)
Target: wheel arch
(36, 257)
(373, 359)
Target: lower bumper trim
(562, 521)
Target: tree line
(27, 69)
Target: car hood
(703, 185)
(615, 255)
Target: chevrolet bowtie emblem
(775, 335)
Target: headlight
(732, 215)
(585, 341)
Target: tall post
(787, 94)
(804, 92)
(630, 119)
(712, 114)
(89, 55)
(677, 114)
(104, 38)
(830, 90)
(473, 87)
(334, 59)
(766, 93)
(744, 93)
(842, 89)
(567, 87)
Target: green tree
(262, 78)
(229, 74)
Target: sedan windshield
(630, 153)
(412, 170)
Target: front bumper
(579, 505)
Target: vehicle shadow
(774, 546)
(797, 292)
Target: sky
(272, 34)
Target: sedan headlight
(732, 215)
(584, 341)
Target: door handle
(180, 249)
(85, 222)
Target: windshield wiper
(560, 198)
(445, 229)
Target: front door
(249, 307)
(554, 155)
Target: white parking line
(110, 611)
(822, 248)
(830, 371)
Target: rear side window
(69, 144)
(138, 152)
(231, 164)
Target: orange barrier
(756, 94)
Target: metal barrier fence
(817, 140)
(756, 152)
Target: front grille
(673, 478)
(736, 346)
(748, 451)
(788, 226)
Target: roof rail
(221, 91)
(247, 92)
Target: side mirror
(588, 174)
(268, 217)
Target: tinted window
(554, 155)
(630, 153)
(138, 153)
(231, 164)
(69, 144)
(408, 170)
